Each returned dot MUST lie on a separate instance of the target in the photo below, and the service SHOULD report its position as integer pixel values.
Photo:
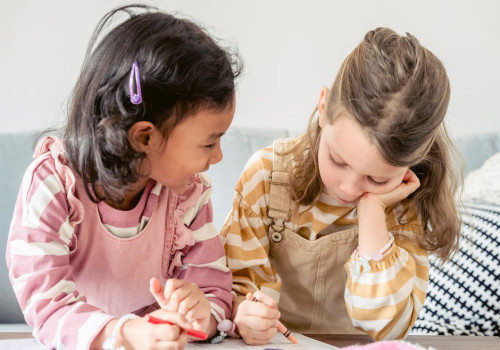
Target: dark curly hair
(182, 69)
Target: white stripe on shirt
(20, 247)
(43, 195)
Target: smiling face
(192, 146)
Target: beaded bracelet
(226, 328)
(110, 343)
(364, 261)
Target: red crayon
(191, 332)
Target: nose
(217, 155)
(350, 186)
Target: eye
(376, 183)
(210, 146)
(337, 164)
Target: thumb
(156, 290)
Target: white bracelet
(364, 261)
(110, 343)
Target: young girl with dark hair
(117, 214)
(336, 225)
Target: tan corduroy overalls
(312, 272)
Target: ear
(322, 106)
(140, 136)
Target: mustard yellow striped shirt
(383, 302)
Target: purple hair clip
(135, 98)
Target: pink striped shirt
(74, 264)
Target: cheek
(324, 164)
(193, 164)
(329, 174)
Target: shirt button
(276, 237)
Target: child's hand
(185, 298)
(140, 334)
(257, 322)
(409, 185)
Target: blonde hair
(398, 91)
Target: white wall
(290, 48)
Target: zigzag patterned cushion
(464, 293)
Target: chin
(342, 201)
(178, 189)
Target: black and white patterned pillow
(464, 293)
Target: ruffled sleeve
(183, 238)
(53, 147)
(385, 298)
(197, 252)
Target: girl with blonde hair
(336, 225)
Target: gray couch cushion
(15, 155)
(477, 148)
(238, 145)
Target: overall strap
(279, 197)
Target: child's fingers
(257, 322)
(263, 311)
(193, 309)
(171, 286)
(412, 180)
(179, 296)
(166, 332)
(257, 330)
(410, 184)
(263, 298)
(258, 309)
(156, 290)
(408, 175)
(198, 311)
(173, 317)
(186, 297)
(260, 324)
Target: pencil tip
(292, 339)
